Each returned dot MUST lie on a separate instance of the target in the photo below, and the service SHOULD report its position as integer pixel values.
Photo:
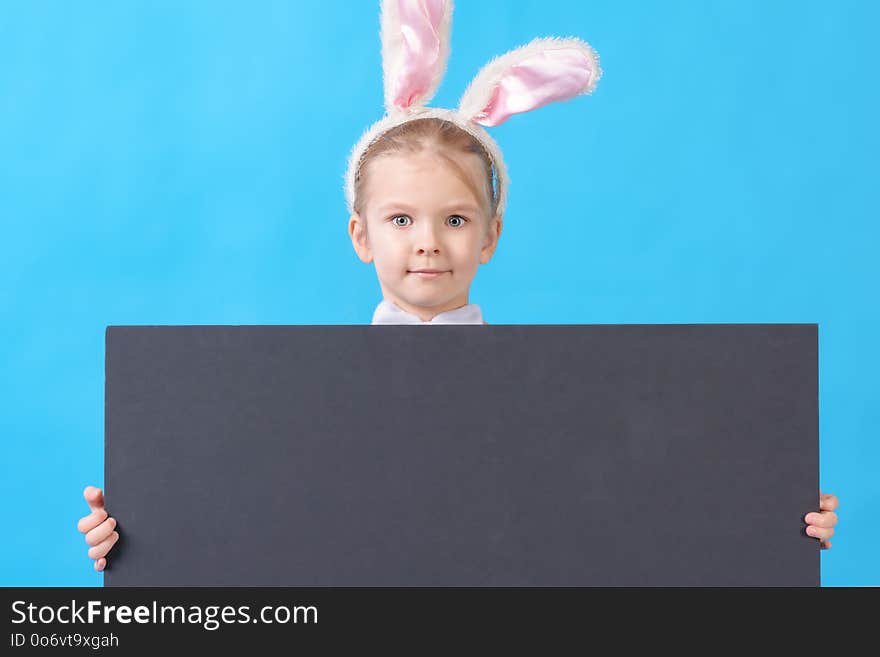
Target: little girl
(426, 188)
(425, 214)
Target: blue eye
(456, 218)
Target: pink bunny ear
(415, 47)
(543, 71)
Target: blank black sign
(462, 455)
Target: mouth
(428, 273)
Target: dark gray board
(459, 455)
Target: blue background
(182, 163)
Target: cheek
(389, 254)
(475, 242)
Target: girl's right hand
(98, 527)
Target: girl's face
(421, 215)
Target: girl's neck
(426, 314)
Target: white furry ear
(415, 48)
(545, 70)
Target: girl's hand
(821, 525)
(98, 527)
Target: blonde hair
(444, 138)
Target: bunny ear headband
(415, 47)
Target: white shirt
(388, 312)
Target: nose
(427, 241)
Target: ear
(491, 240)
(357, 230)
(415, 47)
(545, 70)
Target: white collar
(388, 312)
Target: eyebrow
(465, 205)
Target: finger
(101, 549)
(89, 522)
(825, 545)
(828, 502)
(820, 532)
(822, 519)
(100, 564)
(101, 532)
(94, 496)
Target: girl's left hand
(821, 525)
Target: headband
(415, 47)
